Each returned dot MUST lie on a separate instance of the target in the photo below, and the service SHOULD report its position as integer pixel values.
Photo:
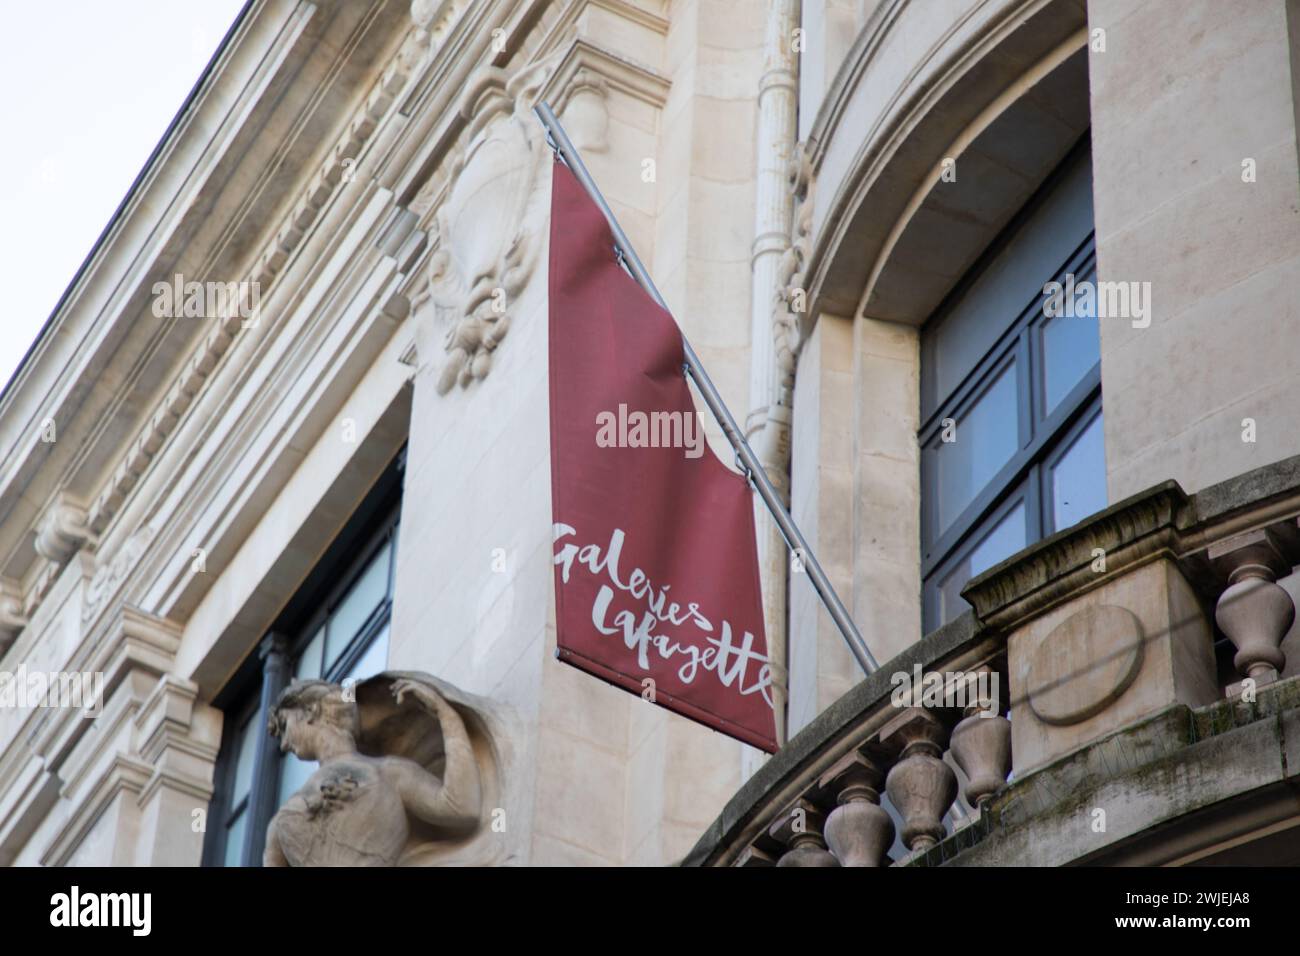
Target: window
(335, 628)
(1011, 441)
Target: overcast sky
(90, 87)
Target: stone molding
(937, 108)
(12, 618)
(1128, 534)
(269, 264)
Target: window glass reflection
(984, 440)
(235, 841)
(244, 762)
(1071, 348)
(355, 608)
(1079, 478)
(1005, 539)
(372, 660)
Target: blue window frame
(1011, 441)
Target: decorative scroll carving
(62, 532)
(110, 575)
(487, 231)
(791, 293)
(586, 114)
(12, 619)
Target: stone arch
(1005, 101)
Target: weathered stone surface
(1084, 664)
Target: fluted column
(920, 784)
(858, 831)
(981, 742)
(767, 424)
(800, 830)
(1254, 611)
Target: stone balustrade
(1129, 634)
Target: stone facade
(373, 170)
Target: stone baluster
(858, 831)
(920, 784)
(1255, 612)
(800, 830)
(981, 742)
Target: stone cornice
(1116, 540)
(621, 73)
(267, 264)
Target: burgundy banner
(656, 570)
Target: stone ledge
(1252, 488)
(1129, 533)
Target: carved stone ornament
(791, 296)
(1084, 665)
(586, 113)
(12, 619)
(408, 768)
(109, 576)
(488, 230)
(63, 531)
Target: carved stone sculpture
(397, 768)
(486, 232)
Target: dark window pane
(308, 665)
(247, 750)
(985, 438)
(235, 841)
(373, 659)
(363, 597)
(1005, 539)
(1079, 478)
(1071, 348)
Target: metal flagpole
(747, 459)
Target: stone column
(768, 423)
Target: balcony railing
(1121, 644)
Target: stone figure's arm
(273, 855)
(455, 800)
